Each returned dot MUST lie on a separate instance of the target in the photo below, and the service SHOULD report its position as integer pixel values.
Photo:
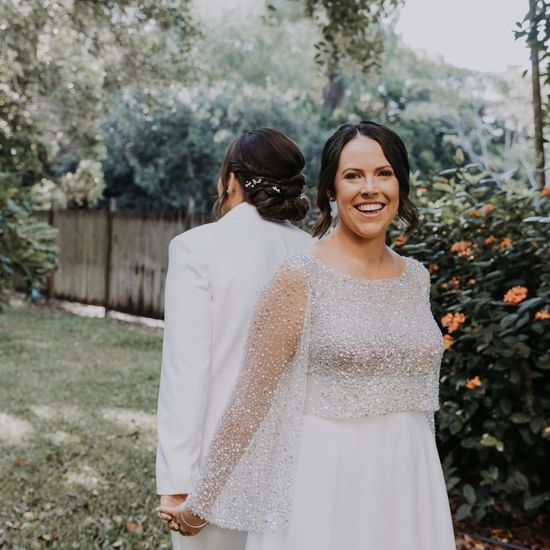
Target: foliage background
(486, 241)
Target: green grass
(77, 438)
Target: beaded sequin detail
(324, 343)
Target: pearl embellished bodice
(375, 347)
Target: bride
(327, 441)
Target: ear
(233, 184)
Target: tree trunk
(333, 92)
(537, 103)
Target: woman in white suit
(214, 275)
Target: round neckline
(334, 271)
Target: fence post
(52, 215)
(109, 252)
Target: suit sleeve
(184, 381)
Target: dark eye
(385, 173)
(351, 175)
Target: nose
(368, 186)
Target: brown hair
(394, 150)
(276, 163)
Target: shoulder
(417, 265)
(194, 239)
(293, 276)
(420, 273)
(300, 263)
(297, 271)
(297, 233)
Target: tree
(60, 63)
(350, 31)
(351, 34)
(535, 28)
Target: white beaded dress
(327, 442)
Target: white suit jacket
(214, 274)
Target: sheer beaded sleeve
(246, 477)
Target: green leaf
(469, 493)
(505, 405)
(534, 502)
(443, 187)
(520, 418)
(536, 424)
(463, 512)
(521, 481)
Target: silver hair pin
(252, 182)
(276, 188)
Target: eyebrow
(360, 170)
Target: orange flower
(488, 208)
(453, 321)
(473, 383)
(432, 268)
(474, 212)
(505, 243)
(489, 240)
(515, 295)
(471, 282)
(448, 341)
(542, 315)
(546, 191)
(462, 248)
(400, 240)
(455, 281)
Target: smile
(370, 210)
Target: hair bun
(275, 208)
(268, 166)
(281, 199)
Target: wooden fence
(115, 259)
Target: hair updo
(268, 166)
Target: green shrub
(26, 246)
(486, 241)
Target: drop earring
(333, 209)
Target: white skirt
(372, 483)
(210, 538)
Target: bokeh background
(114, 117)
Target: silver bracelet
(192, 526)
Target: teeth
(370, 207)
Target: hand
(184, 519)
(171, 501)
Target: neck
(374, 250)
(233, 201)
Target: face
(367, 189)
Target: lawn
(77, 435)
